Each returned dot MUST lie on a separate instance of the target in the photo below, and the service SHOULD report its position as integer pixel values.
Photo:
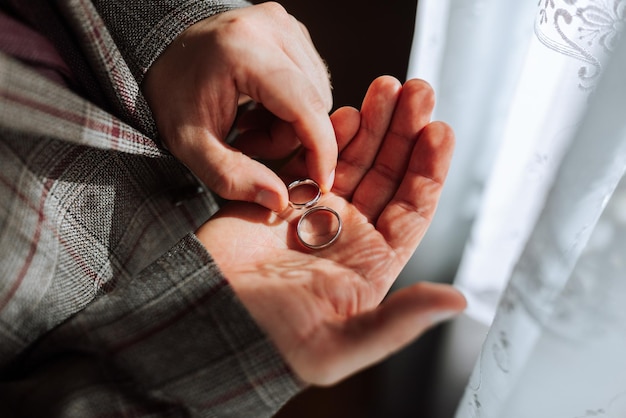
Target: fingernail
(268, 199)
(442, 316)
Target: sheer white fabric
(513, 79)
(473, 59)
(537, 96)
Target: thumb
(370, 337)
(230, 173)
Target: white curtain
(532, 222)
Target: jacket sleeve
(174, 341)
(142, 29)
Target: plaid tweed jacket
(109, 306)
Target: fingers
(291, 81)
(260, 52)
(346, 121)
(293, 98)
(231, 174)
(368, 338)
(376, 114)
(407, 216)
(276, 141)
(411, 114)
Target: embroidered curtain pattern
(536, 194)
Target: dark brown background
(359, 40)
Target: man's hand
(323, 308)
(259, 52)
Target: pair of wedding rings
(313, 230)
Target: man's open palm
(322, 308)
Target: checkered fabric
(109, 306)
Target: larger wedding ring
(308, 203)
(333, 236)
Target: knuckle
(242, 26)
(275, 9)
(387, 172)
(304, 29)
(280, 18)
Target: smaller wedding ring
(309, 203)
(333, 235)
